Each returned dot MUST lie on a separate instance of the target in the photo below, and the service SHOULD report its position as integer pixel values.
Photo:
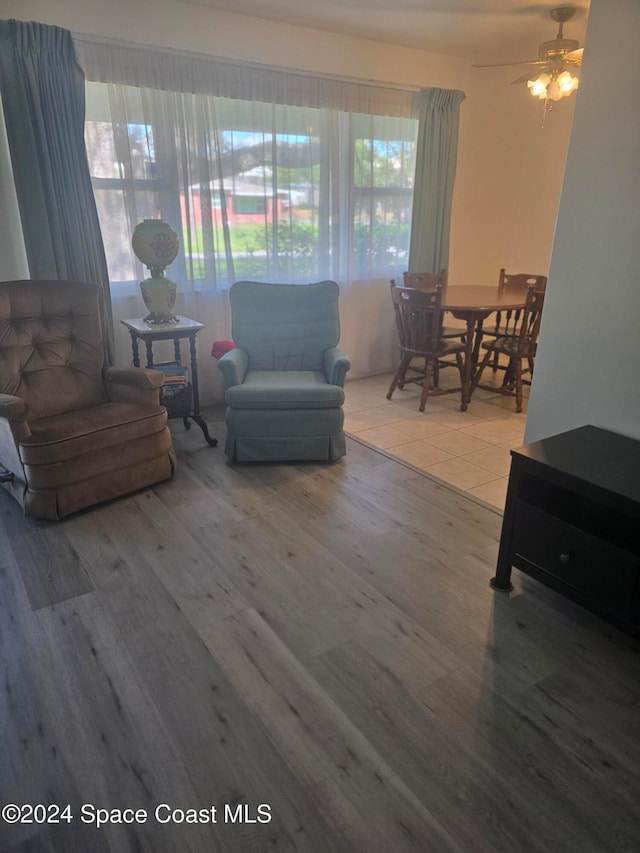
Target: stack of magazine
(175, 392)
(175, 377)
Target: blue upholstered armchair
(285, 378)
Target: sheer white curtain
(291, 179)
(13, 255)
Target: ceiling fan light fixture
(539, 86)
(567, 83)
(553, 87)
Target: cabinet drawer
(583, 563)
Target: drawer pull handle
(565, 558)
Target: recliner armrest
(336, 364)
(133, 384)
(13, 408)
(137, 377)
(233, 365)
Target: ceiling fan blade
(525, 77)
(574, 56)
(503, 64)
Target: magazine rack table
(184, 328)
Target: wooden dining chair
(507, 323)
(519, 347)
(427, 281)
(418, 320)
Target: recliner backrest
(285, 326)
(51, 345)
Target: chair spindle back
(418, 315)
(507, 322)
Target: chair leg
(509, 375)
(399, 375)
(517, 368)
(404, 364)
(425, 385)
(496, 361)
(464, 381)
(394, 384)
(478, 373)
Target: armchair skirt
(292, 414)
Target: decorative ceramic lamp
(156, 245)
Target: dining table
(473, 303)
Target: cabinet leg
(502, 580)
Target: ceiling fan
(552, 77)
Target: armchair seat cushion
(285, 389)
(73, 434)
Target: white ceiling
(478, 30)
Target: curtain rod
(258, 66)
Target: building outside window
(253, 190)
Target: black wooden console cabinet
(572, 521)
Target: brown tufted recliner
(73, 431)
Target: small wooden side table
(184, 328)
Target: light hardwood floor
(468, 450)
(321, 639)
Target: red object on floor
(220, 347)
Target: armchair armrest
(133, 384)
(13, 408)
(233, 365)
(336, 364)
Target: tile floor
(468, 450)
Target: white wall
(510, 171)
(509, 168)
(588, 364)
